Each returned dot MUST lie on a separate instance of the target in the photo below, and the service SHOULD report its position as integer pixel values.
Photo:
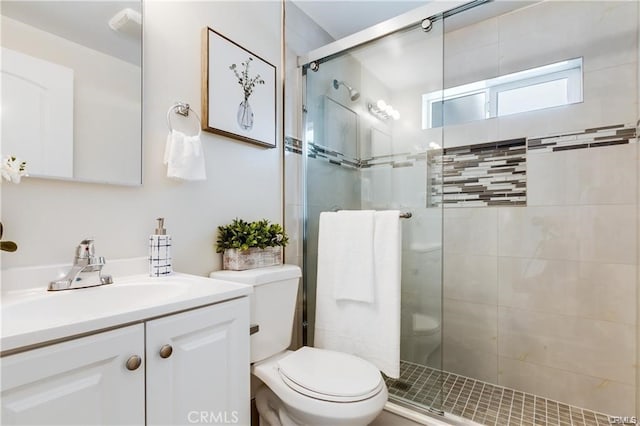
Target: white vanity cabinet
(84, 381)
(198, 366)
(193, 367)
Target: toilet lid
(329, 375)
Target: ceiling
(84, 22)
(340, 18)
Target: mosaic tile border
(479, 175)
(487, 174)
(617, 134)
(333, 157)
(485, 403)
(404, 159)
(292, 144)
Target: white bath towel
(346, 246)
(184, 157)
(368, 330)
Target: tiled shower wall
(543, 298)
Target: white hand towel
(368, 330)
(184, 157)
(346, 245)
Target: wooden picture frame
(238, 91)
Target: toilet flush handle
(254, 328)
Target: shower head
(353, 93)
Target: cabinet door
(80, 382)
(205, 379)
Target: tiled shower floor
(482, 402)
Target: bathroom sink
(35, 315)
(82, 302)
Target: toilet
(310, 386)
(426, 337)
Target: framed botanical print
(238, 91)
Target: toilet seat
(329, 375)
(312, 411)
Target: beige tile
(538, 232)
(547, 179)
(603, 32)
(407, 187)
(469, 37)
(608, 233)
(586, 289)
(470, 66)
(421, 281)
(603, 233)
(604, 175)
(470, 325)
(584, 391)
(584, 346)
(471, 133)
(471, 230)
(471, 278)
(611, 93)
(469, 339)
(467, 362)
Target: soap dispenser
(160, 251)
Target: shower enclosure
(509, 131)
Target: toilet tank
(273, 305)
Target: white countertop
(37, 316)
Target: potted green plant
(249, 245)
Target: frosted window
(530, 98)
(547, 86)
(459, 110)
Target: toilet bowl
(426, 337)
(309, 386)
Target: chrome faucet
(86, 270)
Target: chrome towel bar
(403, 215)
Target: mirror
(72, 89)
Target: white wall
(48, 218)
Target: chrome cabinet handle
(166, 351)
(133, 362)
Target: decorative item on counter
(13, 169)
(160, 251)
(250, 245)
(6, 245)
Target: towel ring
(183, 109)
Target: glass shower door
(368, 146)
